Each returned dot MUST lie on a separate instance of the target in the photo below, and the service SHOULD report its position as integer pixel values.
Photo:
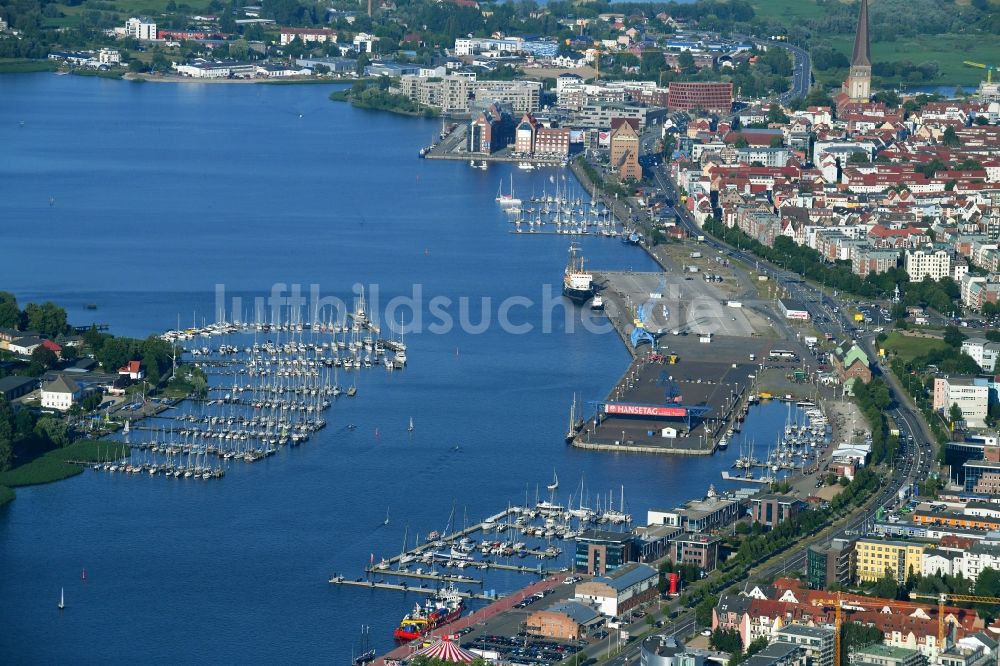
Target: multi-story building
(552, 141)
(971, 394)
(625, 150)
(816, 641)
(109, 57)
(701, 550)
(851, 364)
(450, 93)
(983, 352)
(982, 476)
(830, 565)
(521, 96)
(141, 28)
(61, 393)
(877, 558)
(621, 590)
(687, 96)
(491, 130)
(307, 35)
(598, 115)
(599, 552)
(769, 510)
(886, 655)
(524, 135)
(927, 262)
(873, 261)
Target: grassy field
(15, 66)
(947, 50)
(53, 466)
(908, 347)
(787, 9)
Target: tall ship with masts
(578, 285)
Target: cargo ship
(578, 285)
(445, 607)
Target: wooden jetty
(406, 573)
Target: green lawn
(787, 9)
(947, 50)
(908, 347)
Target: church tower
(859, 80)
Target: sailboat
(555, 481)
(410, 427)
(386, 516)
(367, 651)
(62, 598)
(575, 424)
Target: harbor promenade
(481, 616)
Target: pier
(403, 587)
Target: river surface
(141, 199)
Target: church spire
(862, 49)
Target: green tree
(857, 157)
(741, 142)
(53, 429)
(10, 315)
(48, 318)
(239, 49)
(886, 586)
(726, 640)
(363, 61)
(954, 414)
(44, 357)
(6, 433)
(685, 63)
(953, 337)
(703, 611)
(950, 138)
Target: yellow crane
(943, 599)
(838, 620)
(989, 69)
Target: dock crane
(989, 69)
(944, 598)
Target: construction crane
(943, 599)
(989, 69)
(837, 622)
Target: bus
(783, 354)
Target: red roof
(131, 367)
(48, 344)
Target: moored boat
(443, 608)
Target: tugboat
(597, 304)
(578, 285)
(443, 608)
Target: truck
(695, 255)
(810, 340)
(692, 269)
(734, 304)
(762, 278)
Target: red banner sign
(644, 410)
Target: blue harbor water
(141, 199)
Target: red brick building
(688, 95)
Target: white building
(621, 590)
(306, 35)
(927, 262)
(109, 57)
(140, 28)
(983, 352)
(364, 43)
(472, 46)
(61, 393)
(972, 395)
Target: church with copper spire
(857, 87)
